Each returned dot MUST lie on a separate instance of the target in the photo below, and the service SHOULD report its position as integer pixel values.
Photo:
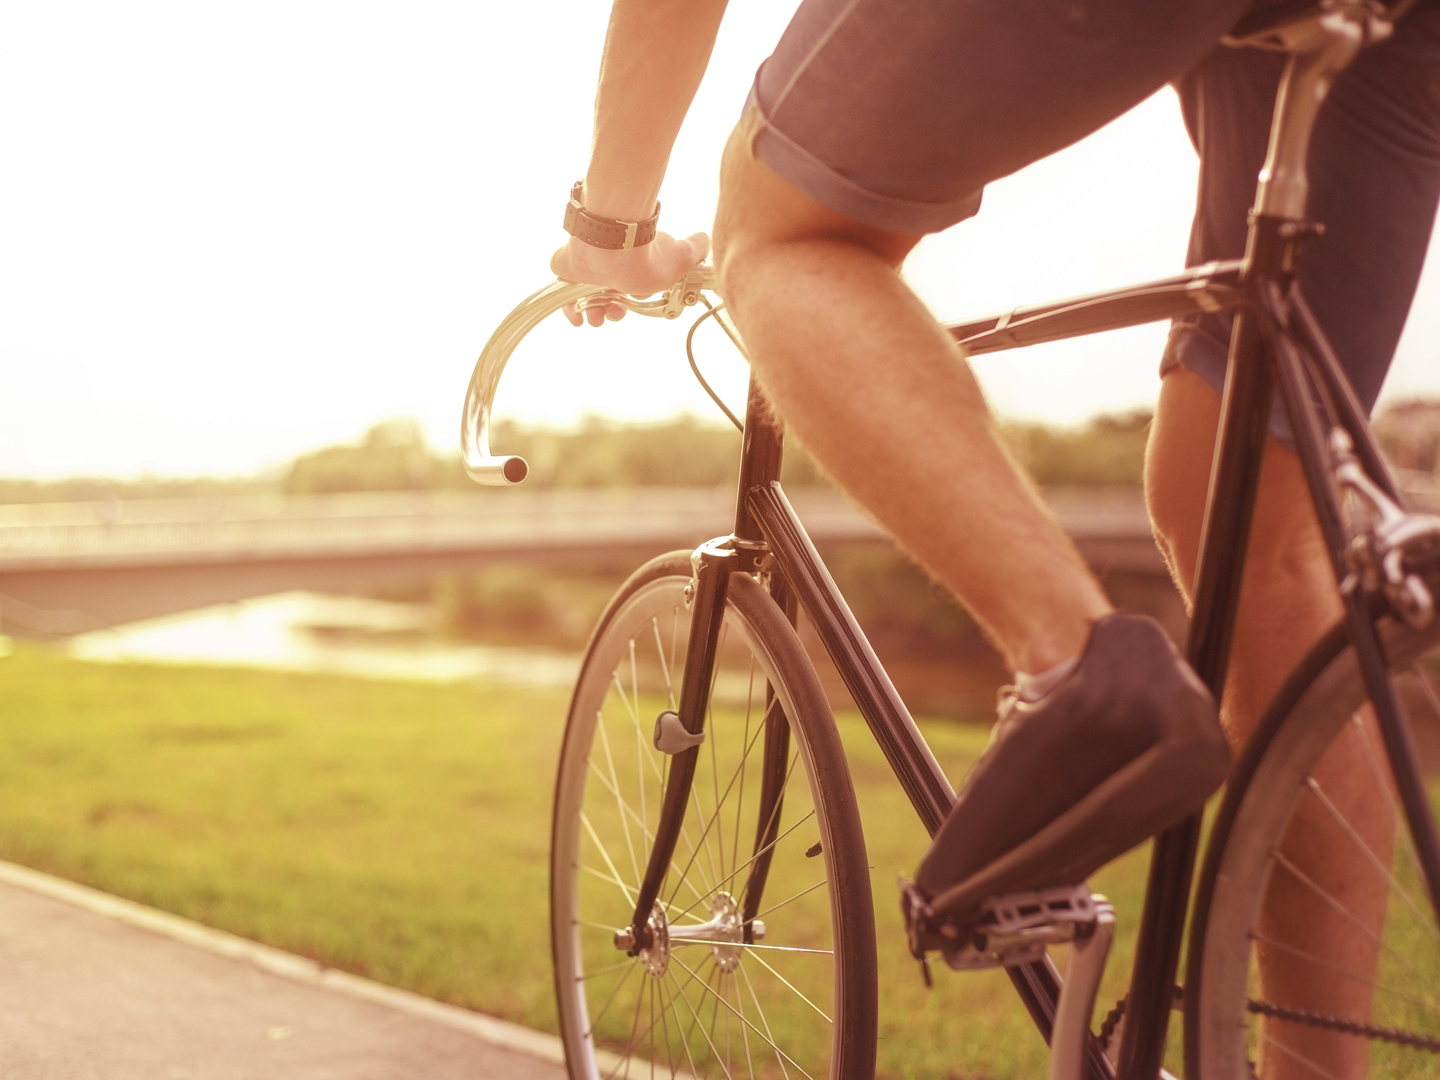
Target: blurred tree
(394, 456)
(1409, 435)
(1109, 451)
(391, 456)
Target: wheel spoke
(656, 984)
(1289, 1052)
(630, 1046)
(685, 1039)
(648, 835)
(793, 988)
(605, 854)
(1314, 786)
(614, 992)
(768, 847)
(1341, 971)
(626, 963)
(767, 1039)
(703, 997)
(1379, 771)
(714, 740)
(1345, 913)
(782, 948)
(625, 808)
(745, 742)
(788, 900)
(760, 1012)
(641, 750)
(696, 1023)
(715, 973)
(715, 873)
(744, 1030)
(744, 758)
(632, 710)
(1429, 690)
(664, 663)
(644, 753)
(625, 812)
(612, 879)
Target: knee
(761, 213)
(1177, 468)
(734, 229)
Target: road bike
(711, 907)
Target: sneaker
(1127, 746)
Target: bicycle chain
(1115, 1015)
(1349, 1027)
(1112, 1020)
(1298, 1016)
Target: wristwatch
(603, 232)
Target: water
(303, 631)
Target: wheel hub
(724, 932)
(729, 932)
(655, 957)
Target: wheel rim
(1247, 1027)
(701, 1000)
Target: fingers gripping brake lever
(502, 470)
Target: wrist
(602, 231)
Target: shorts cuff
(1193, 349)
(803, 170)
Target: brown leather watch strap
(603, 232)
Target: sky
(234, 233)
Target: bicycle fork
(681, 735)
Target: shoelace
(1007, 700)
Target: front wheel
(763, 962)
(1316, 951)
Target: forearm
(655, 55)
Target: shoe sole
(1160, 788)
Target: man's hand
(639, 271)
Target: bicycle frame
(1276, 344)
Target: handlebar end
(498, 471)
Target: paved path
(96, 987)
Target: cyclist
(875, 122)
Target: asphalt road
(94, 987)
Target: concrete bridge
(70, 567)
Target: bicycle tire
(802, 1000)
(1226, 1026)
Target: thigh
(896, 113)
(1374, 168)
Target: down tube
(1038, 984)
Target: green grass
(400, 831)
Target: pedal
(1007, 931)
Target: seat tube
(760, 458)
(1277, 228)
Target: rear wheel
(764, 962)
(1314, 929)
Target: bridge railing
(328, 526)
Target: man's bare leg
(883, 398)
(1288, 601)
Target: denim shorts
(897, 113)
(1374, 168)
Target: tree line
(394, 455)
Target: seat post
(1320, 48)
